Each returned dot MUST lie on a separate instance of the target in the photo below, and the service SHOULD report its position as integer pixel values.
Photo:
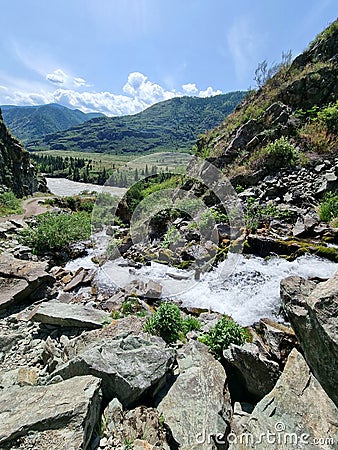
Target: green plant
(328, 209)
(225, 332)
(171, 237)
(56, 231)
(128, 444)
(168, 323)
(279, 153)
(9, 204)
(106, 321)
(130, 306)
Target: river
(64, 187)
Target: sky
(121, 56)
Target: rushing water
(64, 187)
(248, 293)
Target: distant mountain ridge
(31, 123)
(171, 125)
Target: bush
(280, 153)
(329, 208)
(225, 332)
(55, 232)
(329, 117)
(9, 204)
(168, 323)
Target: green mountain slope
(170, 125)
(299, 103)
(30, 123)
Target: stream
(249, 293)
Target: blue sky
(121, 56)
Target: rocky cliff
(16, 171)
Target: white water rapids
(249, 293)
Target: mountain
(16, 171)
(30, 123)
(299, 103)
(170, 125)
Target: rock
(16, 171)
(258, 372)
(197, 408)
(27, 376)
(131, 367)
(313, 312)
(305, 225)
(295, 413)
(141, 425)
(153, 289)
(62, 314)
(21, 280)
(82, 277)
(65, 412)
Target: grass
(9, 204)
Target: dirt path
(32, 207)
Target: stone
(313, 311)
(258, 372)
(295, 413)
(153, 289)
(197, 406)
(62, 314)
(66, 411)
(21, 280)
(27, 376)
(141, 425)
(130, 367)
(278, 339)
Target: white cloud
(58, 76)
(190, 88)
(139, 93)
(209, 92)
(61, 78)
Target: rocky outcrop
(16, 171)
(296, 414)
(197, 407)
(130, 367)
(312, 311)
(59, 416)
(21, 280)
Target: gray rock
(258, 372)
(197, 408)
(130, 367)
(313, 313)
(295, 413)
(62, 314)
(20, 279)
(66, 412)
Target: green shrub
(55, 232)
(329, 208)
(225, 332)
(168, 323)
(9, 204)
(279, 153)
(329, 117)
(171, 237)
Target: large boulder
(197, 408)
(59, 416)
(68, 315)
(21, 280)
(296, 414)
(257, 370)
(313, 311)
(131, 367)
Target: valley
(172, 282)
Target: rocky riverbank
(78, 371)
